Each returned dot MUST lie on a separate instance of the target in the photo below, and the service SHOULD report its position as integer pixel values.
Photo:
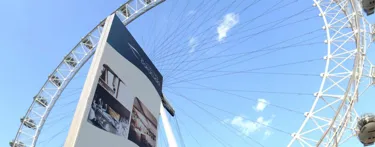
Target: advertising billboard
(120, 103)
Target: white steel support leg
(167, 128)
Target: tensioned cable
(247, 37)
(206, 48)
(218, 139)
(271, 9)
(69, 102)
(215, 55)
(150, 31)
(252, 19)
(239, 4)
(233, 114)
(260, 49)
(247, 98)
(246, 53)
(265, 48)
(167, 28)
(240, 72)
(206, 19)
(243, 54)
(47, 141)
(189, 133)
(213, 135)
(64, 105)
(308, 9)
(49, 125)
(179, 27)
(190, 24)
(198, 63)
(200, 33)
(62, 116)
(179, 132)
(250, 72)
(174, 6)
(222, 66)
(254, 69)
(231, 128)
(248, 6)
(236, 55)
(246, 91)
(153, 27)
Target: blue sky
(192, 46)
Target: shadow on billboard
(143, 127)
(107, 113)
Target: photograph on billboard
(106, 112)
(143, 126)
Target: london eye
(238, 73)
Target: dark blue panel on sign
(124, 43)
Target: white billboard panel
(120, 103)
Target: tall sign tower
(122, 96)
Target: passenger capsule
(70, 61)
(368, 6)
(125, 11)
(41, 101)
(16, 144)
(147, 1)
(55, 80)
(28, 122)
(366, 127)
(87, 43)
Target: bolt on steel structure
(34, 119)
(332, 118)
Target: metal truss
(332, 118)
(35, 117)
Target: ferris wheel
(331, 119)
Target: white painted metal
(332, 118)
(167, 128)
(67, 69)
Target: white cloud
(261, 105)
(247, 127)
(191, 12)
(267, 134)
(193, 42)
(227, 23)
(264, 122)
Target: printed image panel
(110, 81)
(106, 112)
(143, 127)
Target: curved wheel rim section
(70, 65)
(332, 118)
